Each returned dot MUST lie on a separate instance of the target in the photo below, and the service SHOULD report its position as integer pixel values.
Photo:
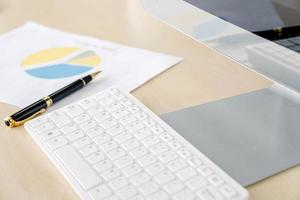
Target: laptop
(275, 20)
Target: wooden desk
(203, 76)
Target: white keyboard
(110, 146)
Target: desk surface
(204, 76)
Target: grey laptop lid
(251, 136)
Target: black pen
(39, 107)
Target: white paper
(124, 66)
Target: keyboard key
(184, 153)
(209, 193)
(149, 122)
(160, 195)
(60, 118)
(228, 191)
(141, 115)
(155, 169)
(132, 170)
(168, 156)
(164, 177)
(107, 100)
(87, 103)
(75, 135)
(118, 183)
(110, 174)
(100, 192)
(124, 161)
(50, 134)
(82, 142)
(185, 194)
(73, 110)
(173, 187)
(95, 157)
(295, 48)
(45, 127)
(176, 165)
(92, 148)
(116, 153)
(126, 192)
(57, 142)
(165, 137)
(215, 180)
(146, 160)
(130, 144)
(137, 197)
(78, 167)
(135, 126)
(122, 137)
(143, 133)
(121, 113)
(108, 146)
(196, 183)
(186, 173)
(95, 110)
(69, 128)
(174, 144)
(140, 179)
(93, 132)
(103, 165)
(115, 130)
(114, 197)
(149, 188)
(157, 129)
(151, 140)
(295, 40)
(133, 108)
(160, 148)
(205, 170)
(88, 125)
(127, 120)
(138, 152)
(194, 162)
(108, 123)
(285, 43)
(101, 116)
(114, 107)
(126, 102)
(102, 138)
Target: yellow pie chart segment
(48, 55)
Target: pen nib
(93, 75)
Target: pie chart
(60, 62)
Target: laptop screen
(254, 15)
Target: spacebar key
(78, 167)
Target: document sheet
(36, 61)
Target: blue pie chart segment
(60, 62)
(58, 71)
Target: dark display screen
(253, 15)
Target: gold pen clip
(12, 123)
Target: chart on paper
(60, 62)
